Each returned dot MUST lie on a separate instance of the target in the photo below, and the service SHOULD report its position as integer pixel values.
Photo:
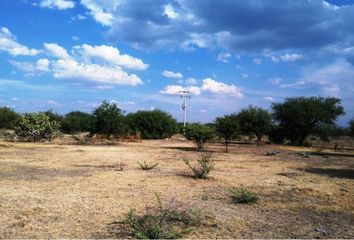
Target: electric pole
(184, 95)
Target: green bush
(242, 195)
(152, 124)
(203, 168)
(75, 122)
(163, 221)
(227, 128)
(109, 120)
(276, 134)
(199, 133)
(37, 126)
(351, 128)
(147, 166)
(8, 118)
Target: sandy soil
(78, 191)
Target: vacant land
(81, 191)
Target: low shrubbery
(242, 195)
(147, 166)
(203, 168)
(199, 133)
(163, 221)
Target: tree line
(292, 120)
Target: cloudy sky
(69, 55)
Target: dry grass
(73, 191)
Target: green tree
(53, 116)
(255, 122)
(109, 120)
(77, 121)
(152, 124)
(37, 126)
(227, 128)
(8, 118)
(300, 116)
(351, 127)
(199, 133)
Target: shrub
(227, 128)
(242, 195)
(109, 120)
(351, 128)
(37, 126)
(199, 133)
(276, 134)
(163, 221)
(203, 168)
(152, 124)
(8, 118)
(75, 122)
(147, 166)
(53, 116)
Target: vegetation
(147, 166)
(37, 126)
(299, 117)
(8, 118)
(109, 120)
(203, 168)
(255, 122)
(199, 133)
(227, 128)
(325, 131)
(351, 127)
(163, 221)
(152, 124)
(242, 195)
(75, 122)
(53, 116)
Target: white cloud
(9, 44)
(58, 4)
(175, 90)
(220, 88)
(257, 60)
(170, 74)
(98, 12)
(290, 57)
(269, 98)
(111, 55)
(70, 69)
(170, 12)
(55, 50)
(224, 57)
(190, 81)
(104, 87)
(42, 65)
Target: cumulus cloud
(170, 74)
(290, 57)
(176, 89)
(224, 57)
(111, 55)
(9, 44)
(231, 25)
(55, 50)
(269, 99)
(58, 4)
(216, 87)
(190, 81)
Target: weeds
(203, 168)
(147, 166)
(163, 221)
(242, 195)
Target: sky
(68, 55)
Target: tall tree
(255, 122)
(300, 116)
(8, 118)
(227, 128)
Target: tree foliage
(199, 133)
(109, 120)
(300, 116)
(37, 126)
(152, 124)
(77, 121)
(255, 122)
(8, 118)
(351, 127)
(227, 128)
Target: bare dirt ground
(77, 191)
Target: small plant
(163, 221)
(205, 165)
(242, 195)
(147, 166)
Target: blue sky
(70, 55)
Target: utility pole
(184, 95)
